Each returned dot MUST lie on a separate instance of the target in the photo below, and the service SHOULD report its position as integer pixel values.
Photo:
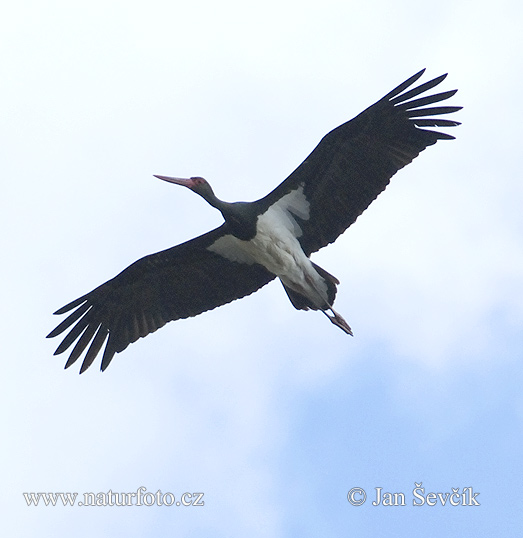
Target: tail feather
(331, 282)
(300, 302)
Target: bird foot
(339, 321)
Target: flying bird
(268, 238)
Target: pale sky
(274, 414)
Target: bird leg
(339, 321)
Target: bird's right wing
(179, 282)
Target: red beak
(186, 182)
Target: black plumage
(340, 178)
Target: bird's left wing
(354, 162)
(179, 282)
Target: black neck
(239, 216)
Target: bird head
(199, 185)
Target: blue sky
(272, 413)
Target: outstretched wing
(354, 163)
(179, 282)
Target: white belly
(277, 248)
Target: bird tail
(300, 302)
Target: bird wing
(179, 282)
(354, 163)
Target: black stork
(268, 238)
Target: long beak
(186, 182)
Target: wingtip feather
(70, 306)
(404, 85)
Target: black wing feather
(354, 162)
(176, 283)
